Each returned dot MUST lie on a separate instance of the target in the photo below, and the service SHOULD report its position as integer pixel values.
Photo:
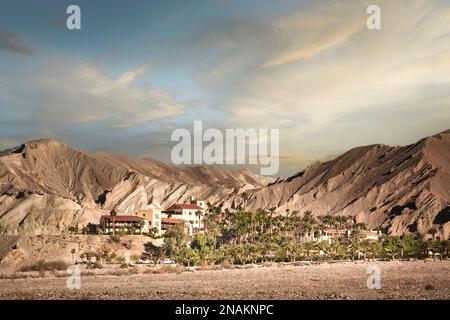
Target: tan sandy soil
(399, 280)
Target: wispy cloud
(6, 143)
(310, 68)
(303, 35)
(12, 42)
(317, 72)
(79, 92)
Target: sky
(137, 71)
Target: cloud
(73, 92)
(6, 143)
(317, 72)
(309, 33)
(12, 42)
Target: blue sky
(138, 70)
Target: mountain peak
(443, 133)
(38, 142)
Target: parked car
(168, 261)
(146, 261)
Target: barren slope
(406, 189)
(46, 186)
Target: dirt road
(399, 280)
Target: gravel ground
(399, 280)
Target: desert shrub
(120, 260)
(95, 265)
(168, 269)
(226, 264)
(14, 276)
(114, 239)
(111, 258)
(118, 272)
(133, 271)
(73, 229)
(91, 229)
(135, 258)
(204, 267)
(128, 244)
(43, 265)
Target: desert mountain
(405, 189)
(47, 187)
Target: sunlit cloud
(309, 33)
(311, 69)
(316, 72)
(79, 92)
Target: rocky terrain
(47, 187)
(346, 280)
(405, 189)
(19, 251)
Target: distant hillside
(46, 186)
(406, 189)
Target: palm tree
(391, 245)
(73, 255)
(342, 221)
(308, 221)
(353, 248)
(326, 221)
(291, 251)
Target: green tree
(152, 252)
(198, 214)
(391, 246)
(204, 244)
(190, 257)
(174, 240)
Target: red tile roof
(122, 218)
(172, 220)
(185, 206)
